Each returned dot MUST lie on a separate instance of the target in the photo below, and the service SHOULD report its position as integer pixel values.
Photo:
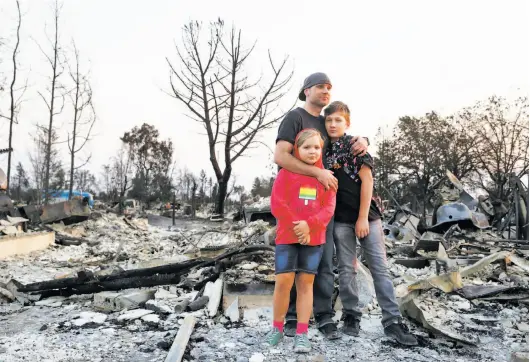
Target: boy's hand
(301, 229)
(326, 178)
(362, 228)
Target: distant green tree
(256, 187)
(21, 180)
(152, 159)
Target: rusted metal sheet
(32, 213)
(262, 214)
(72, 211)
(429, 241)
(465, 197)
(6, 207)
(480, 220)
(5, 203)
(416, 263)
(480, 291)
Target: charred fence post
(173, 207)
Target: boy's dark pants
(322, 288)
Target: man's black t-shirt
(297, 120)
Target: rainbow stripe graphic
(308, 193)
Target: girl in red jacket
(303, 208)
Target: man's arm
(284, 158)
(359, 145)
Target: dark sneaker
(401, 334)
(330, 331)
(289, 328)
(351, 326)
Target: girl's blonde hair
(306, 134)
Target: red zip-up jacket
(297, 197)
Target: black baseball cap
(312, 80)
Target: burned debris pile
(460, 276)
(461, 280)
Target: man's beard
(320, 103)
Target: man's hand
(362, 228)
(359, 146)
(326, 178)
(301, 229)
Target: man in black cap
(316, 94)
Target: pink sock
(301, 328)
(278, 324)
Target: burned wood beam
(175, 268)
(507, 241)
(238, 259)
(182, 305)
(64, 239)
(230, 253)
(163, 274)
(199, 303)
(487, 240)
(417, 263)
(117, 284)
(72, 240)
(201, 283)
(181, 340)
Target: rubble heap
(202, 290)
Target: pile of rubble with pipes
(89, 285)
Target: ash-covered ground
(81, 328)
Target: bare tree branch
(218, 92)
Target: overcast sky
(386, 59)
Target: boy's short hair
(338, 106)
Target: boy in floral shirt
(357, 215)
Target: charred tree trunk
(81, 100)
(221, 194)
(193, 198)
(13, 105)
(9, 154)
(51, 106)
(72, 153)
(122, 199)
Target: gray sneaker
(301, 343)
(273, 337)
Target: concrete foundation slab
(25, 243)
